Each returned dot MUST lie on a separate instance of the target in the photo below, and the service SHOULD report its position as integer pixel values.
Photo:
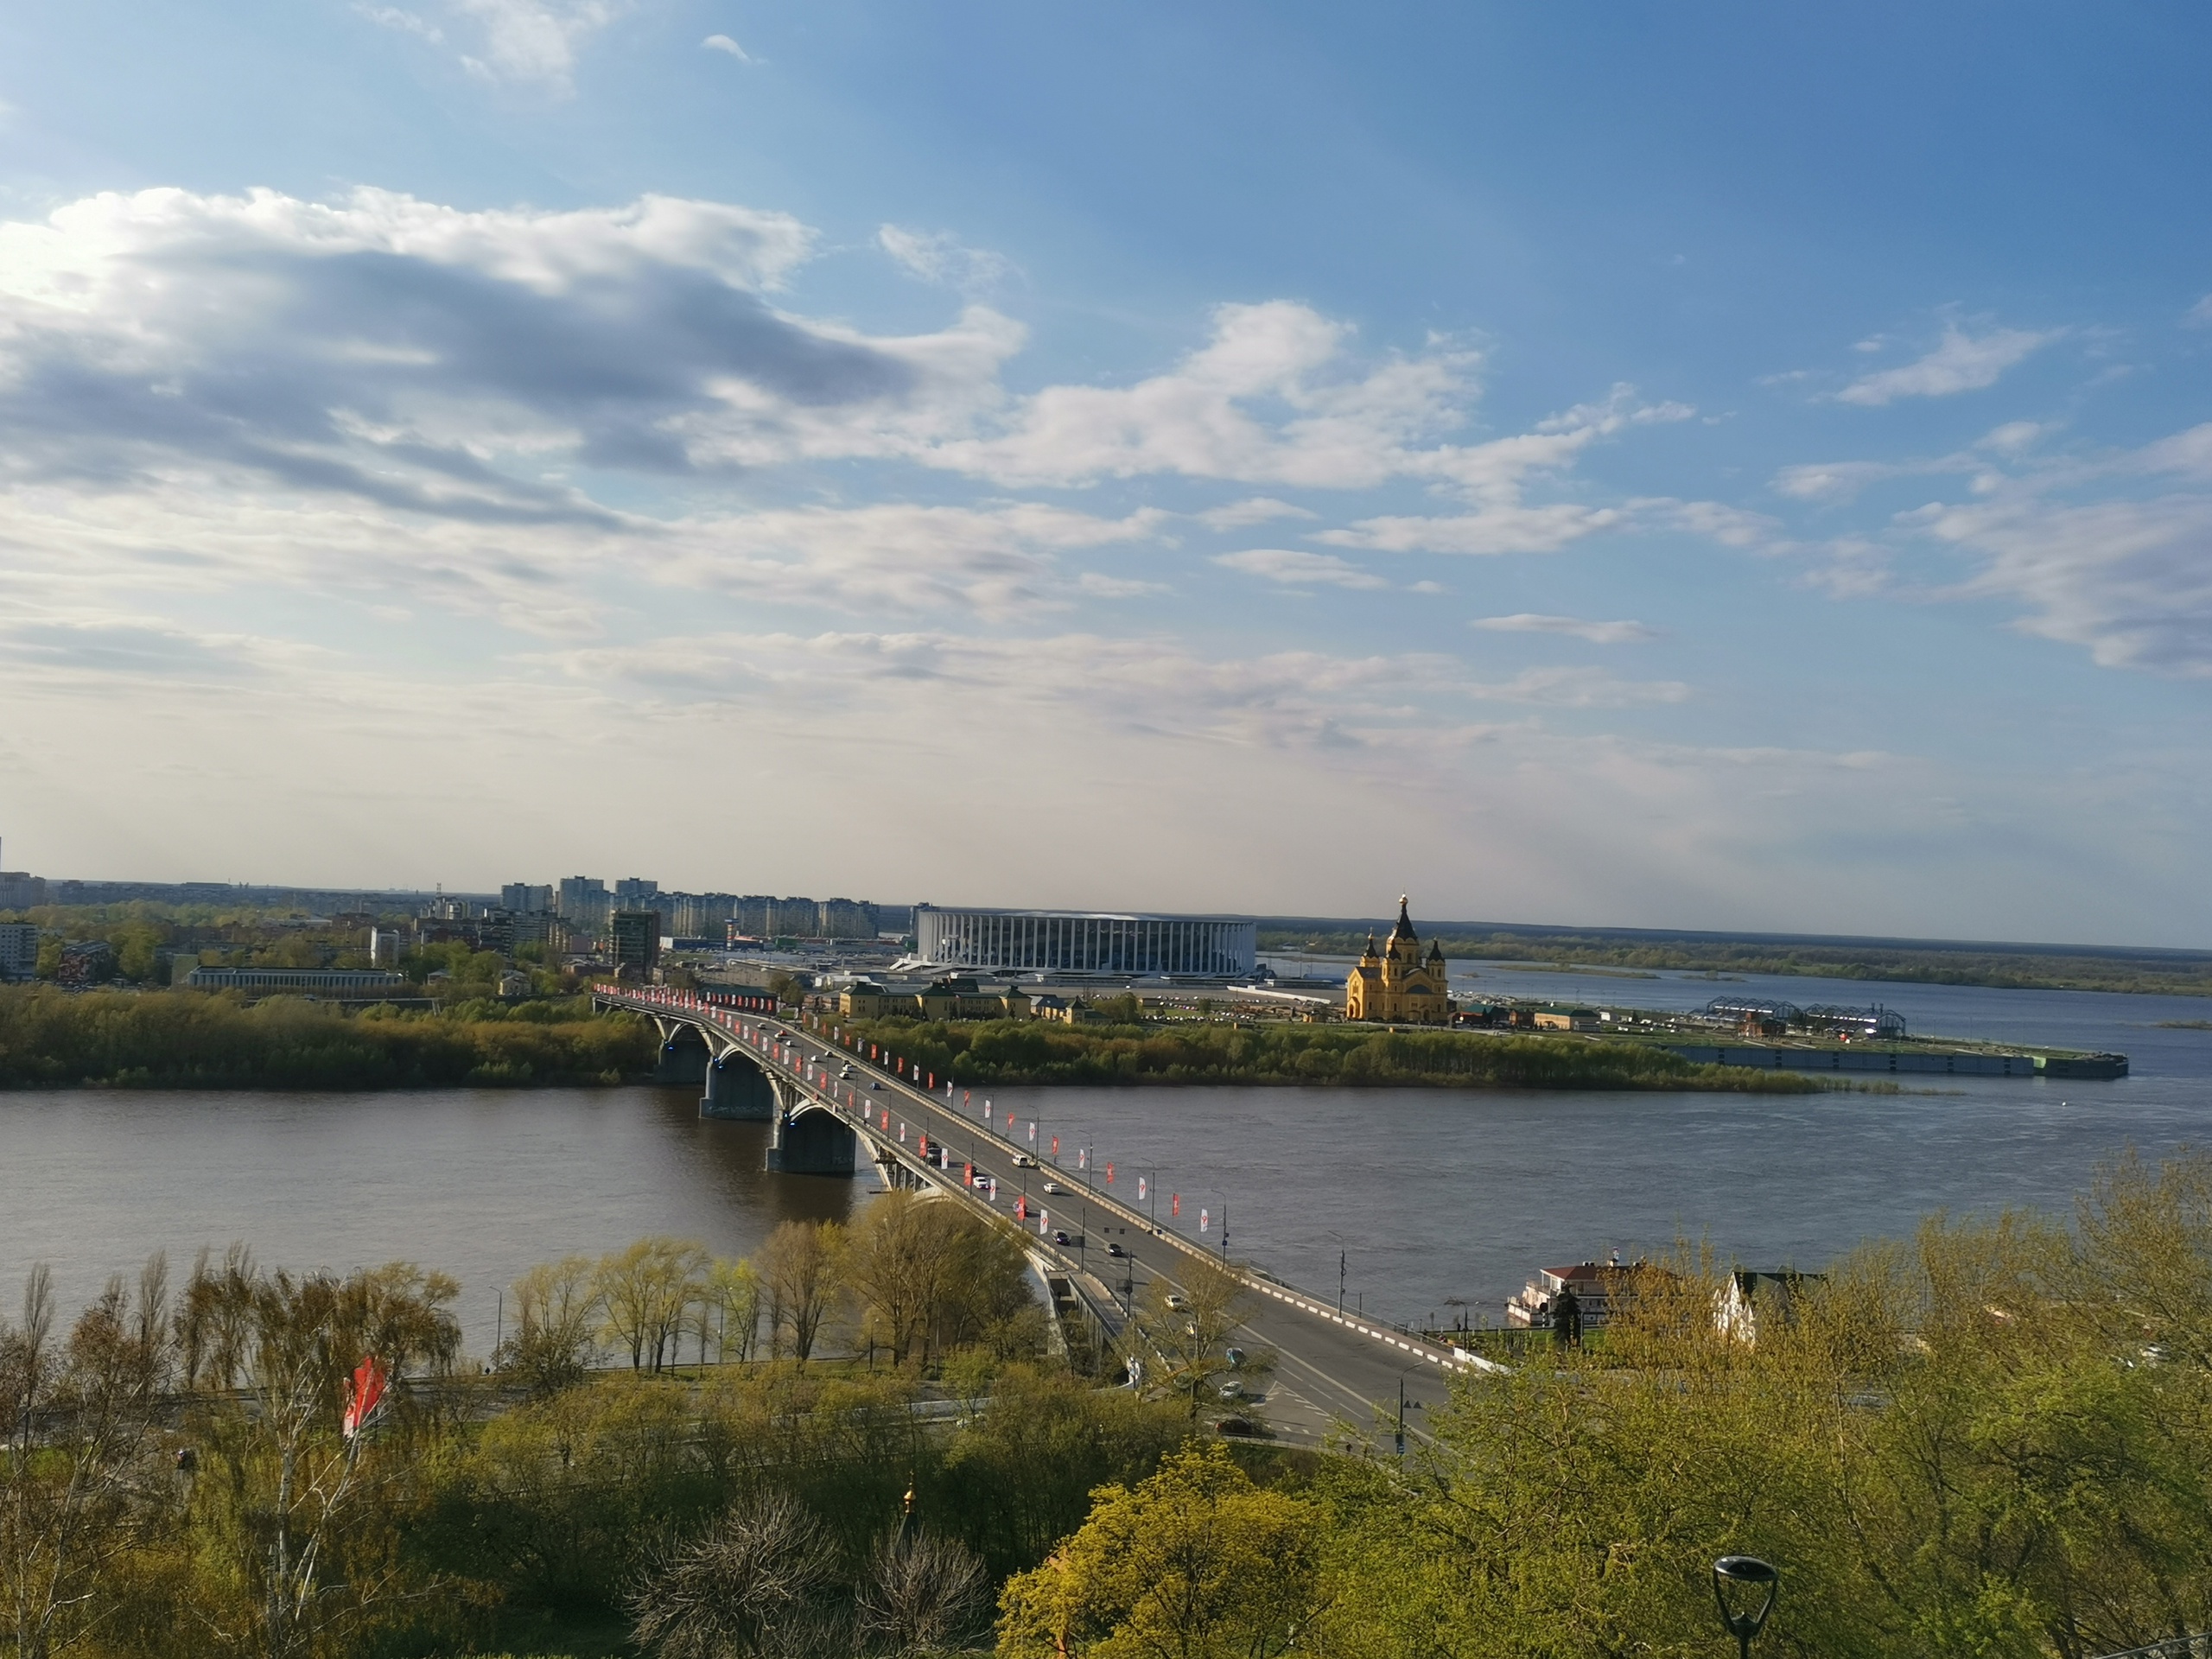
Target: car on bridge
(1023, 1160)
(1061, 1236)
(1054, 1188)
(1115, 1250)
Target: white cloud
(1105, 587)
(723, 43)
(1580, 688)
(938, 257)
(528, 42)
(1962, 362)
(1290, 565)
(407, 22)
(2130, 580)
(1258, 510)
(1600, 633)
(431, 360)
(535, 39)
(2201, 313)
(1502, 530)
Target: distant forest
(2006, 966)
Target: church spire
(1404, 929)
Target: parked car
(1232, 1389)
(1237, 1426)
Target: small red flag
(1175, 1204)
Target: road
(1329, 1367)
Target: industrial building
(1078, 942)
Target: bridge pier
(737, 1088)
(684, 1056)
(812, 1143)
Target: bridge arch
(811, 1139)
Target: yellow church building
(1395, 985)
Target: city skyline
(1704, 470)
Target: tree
(288, 1489)
(556, 1314)
(799, 1267)
(752, 1584)
(1192, 1563)
(646, 1292)
(1183, 1349)
(732, 1307)
(80, 1425)
(921, 1593)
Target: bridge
(826, 1100)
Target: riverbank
(189, 1039)
(1008, 1052)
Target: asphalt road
(1328, 1370)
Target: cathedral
(1395, 985)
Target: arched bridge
(826, 1104)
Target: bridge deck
(1335, 1367)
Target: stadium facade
(1078, 941)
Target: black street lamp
(1737, 1581)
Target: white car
(1023, 1160)
(1177, 1301)
(1052, 1188)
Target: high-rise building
(635, 936)
(635, 893)
(18, 949)
(582, 901)
(841, 919)
(525, 899)
(701, 915)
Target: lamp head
(1739, 1582)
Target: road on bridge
(1334, 1367)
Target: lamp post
(1224, 1197)
(1738, 1581)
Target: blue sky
(1710, 465)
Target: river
(1428, 1197)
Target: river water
(1427, 1198)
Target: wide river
(1425, 1198)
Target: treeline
(2186, 974)
(178, 1476)
(189, 1039)
(1040, 1051)
(912, 1280)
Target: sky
(1710, 465)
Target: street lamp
(1224, 1197)
(1737, 1581)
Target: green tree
(1192, 1563)
(646, 1292)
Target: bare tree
(753, 1584)
(920, 1594)
(799, 1267)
